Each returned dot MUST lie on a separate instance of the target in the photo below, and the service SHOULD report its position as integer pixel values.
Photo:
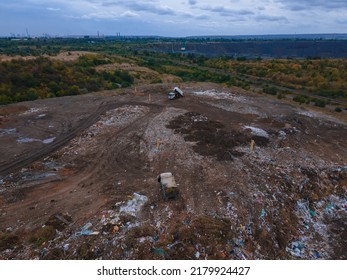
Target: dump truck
(168, 185)
(177, 93)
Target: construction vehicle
(177, 93)
(168, 185)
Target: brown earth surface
(78, 177)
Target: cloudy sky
(172, 17)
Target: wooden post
(252, 145)
(149, 97)
(158, 143)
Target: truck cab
(177, 93)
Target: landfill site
(255, 177)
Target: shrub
(300, 99)
(320, 103)
(270, 90)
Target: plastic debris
(48, 140)
(85, 230)
(115, 229)
(304, 210)
(89, 232)
(303, 184)
(316, 255)
(86, 226)
(159, 252)
(341, 169)
(262, 213)
(307, 226)
(249, 230)
(155, 238)
(134, 205)
(296, 249)
(257, 131)
(66, 247)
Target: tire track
(30, 157)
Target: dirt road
(78, 178)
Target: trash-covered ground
(258, 179)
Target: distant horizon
(95, 36)
(169, 18)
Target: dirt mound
(211, 137)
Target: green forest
(25, 80)
(324, 77)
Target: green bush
(320, 103)
(300, 99)
(270, 90)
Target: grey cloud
(192, 2)
(202, 17)
(226, 12)
(53, 9)
(341, 21)
(270, 18)
(300, 5)
(147, 6)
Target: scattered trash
(115, 229)
(330, 206)
(134, 205)
(307, 226)
(30, 140)
(155, 238)
(262, 213)
(85, 230)
(303, 184)
(27, 140)
(48, 140)
(249, 230)
(8, 131)
(341, 169)
(43, 252)
(159, 252)
(89, 232)
(312, 213)
(282, 134)
(257, 131)
(296, 249)
(304, 210)
(66, 247)
(316, 255)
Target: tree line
(25, 80)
